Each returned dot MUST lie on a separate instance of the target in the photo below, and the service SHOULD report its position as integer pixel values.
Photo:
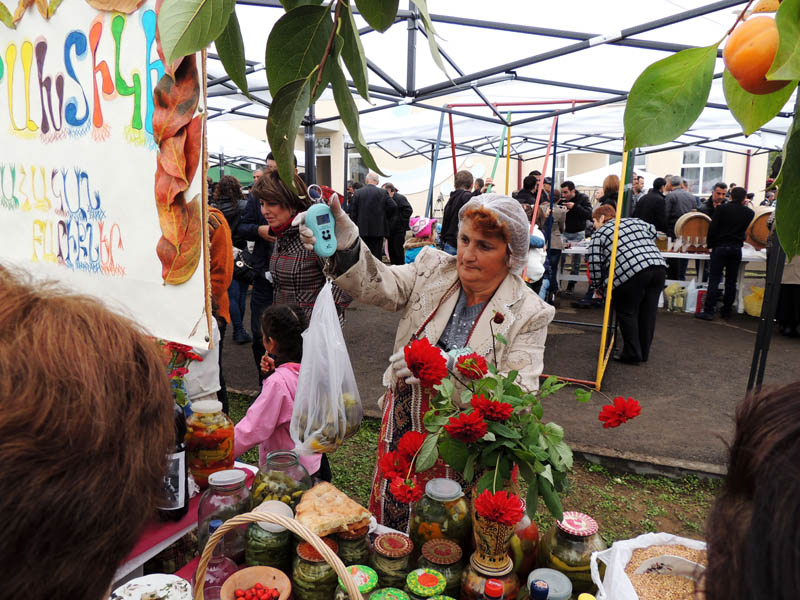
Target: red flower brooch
(500, 507)
(426, 362)
(621, 411)
(467, 428)
(472, 366)
(491, 410)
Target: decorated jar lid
(366, 578)
(441, 552)
(443, 489)
(393, 545)
(425, 582)
(577, 523)
(308, 553)
(390, 594)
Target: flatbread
(326, 510)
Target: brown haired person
(458, 198)
(87, 423)
(610, 191)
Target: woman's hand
(345, 230)
(400, 370)
(267, 364)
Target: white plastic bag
(536, 258)
(616, 585)
(691, 297)
(327, 407)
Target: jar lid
(560, 585)
(213, 525)
(207, 406)
(390, 594)
(366, 578)
(393, 545)
(493, 588)
(577, 523)
(443, 489)
(308, 553)
(539, 589)
(275, 507)
(226, 477)
(425, 582)
(441, 552)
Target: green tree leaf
(230, 49)
(501, 338)
(290, 4)
(380, 14)
(551, 499)
(787, 213)
(353, 52)
(285, 115)
(786, 64)
(187, 26)
(349, 113)
(486, 481)
(428, 453)
(668, 96)
(504, 431)
(454, 453)
(296, 45)
(753, 110)
(532, 499)
(469, 468)
(433, 420)
(583, 395)
(422, 5)
(565, 452)
(554, 432)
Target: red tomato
(238, 593)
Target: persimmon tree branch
(329, 47)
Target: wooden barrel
(757, 231)
(693, 224)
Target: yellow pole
(601, 362)
(508, 151)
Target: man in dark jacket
(651, 208)
(579, 210)
(715, 200)
(372, 211)
(458, 198)
(399, 226)
(726, 235)
(678, 201)
(526, 195)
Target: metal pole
(222, 162)
(775, 261)
(346, 167)
(311, 168)
(434, 160)
(452, 144)
(411, 60)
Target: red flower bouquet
(467, 427)
(491, 410)
(620, 412)
(500, 507)
(426, 362)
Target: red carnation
(500, 507)
(467, 427)
(472, 366)
(426, 362)
(621, 411)
(392, 466)
(491, 410)
(406, 490)
(178, 372)
(409, 444)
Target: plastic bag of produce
(753, 301)
(327, 407)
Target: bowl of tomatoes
(257, 583)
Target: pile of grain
(664, 587)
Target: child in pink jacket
(267, 420)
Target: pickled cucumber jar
(421, 584)
(391, 559)
(366, 579)
(282, 478)
(226, 497)
(568, 546)
(269, 544)
(354, 547)
(312, 577)
(445, 557)
(209, 441)
(442, 513)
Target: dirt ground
(688, 390)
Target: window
(640, 160)
(614, 159)
(356, 169)
(561, 170)
(702, 169)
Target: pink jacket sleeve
(272, 408)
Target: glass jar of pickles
(209, 440)
(568, 546)
(312, 577)
(226, 497)
(269, 544)
(445, 557)
(473, 583)
(391, 558)
(389, 593)
(421, 584)
(282, 478)
(442, 513)
(366, 580)
(354, 546)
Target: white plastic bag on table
(616, 585)
(327, 407)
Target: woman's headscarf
(509, 212)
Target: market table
(749, 255)
(158, 536)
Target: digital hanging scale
(320, 221)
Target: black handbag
(242, 266)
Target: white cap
(207, 406)
(275, 507)
(226, 477)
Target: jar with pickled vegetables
(389, 593)
(473, 582)
(209, 440)
(391, 559)
(568, 546)
(445, 557)
(442, 513)
(281, 478)
(421, 584)
(226, 497)
(366, 580)
(312, 577)
(354, 546)
(269, 544)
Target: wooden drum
(757, 231)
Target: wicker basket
(290, 524)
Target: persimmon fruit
(749, 53)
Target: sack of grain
(617, 585)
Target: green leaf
(501, 338)
(52, 6)
(428, 453)
(565, 452)
(551, 499)
(492, 369)
(532, 499)
(353, 51)
(422, 5)
(296, 45)
(537, 410)
(485, 482)
(512, 375)
(554, 432)
(380, 14)
(786, 64)
(504, 430)
(187, 26)
(668, 96)
(291, 4)
(7, 19)
(469, 468)
(753, 110)
(446, 388)
(583, 395)
(433, 420)
(230, 49)
(454, 453)
(524, 455)
(504, 466)
(349, 113)
(489, 437)
(547, 473)
(287, 110)
(787, 214)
